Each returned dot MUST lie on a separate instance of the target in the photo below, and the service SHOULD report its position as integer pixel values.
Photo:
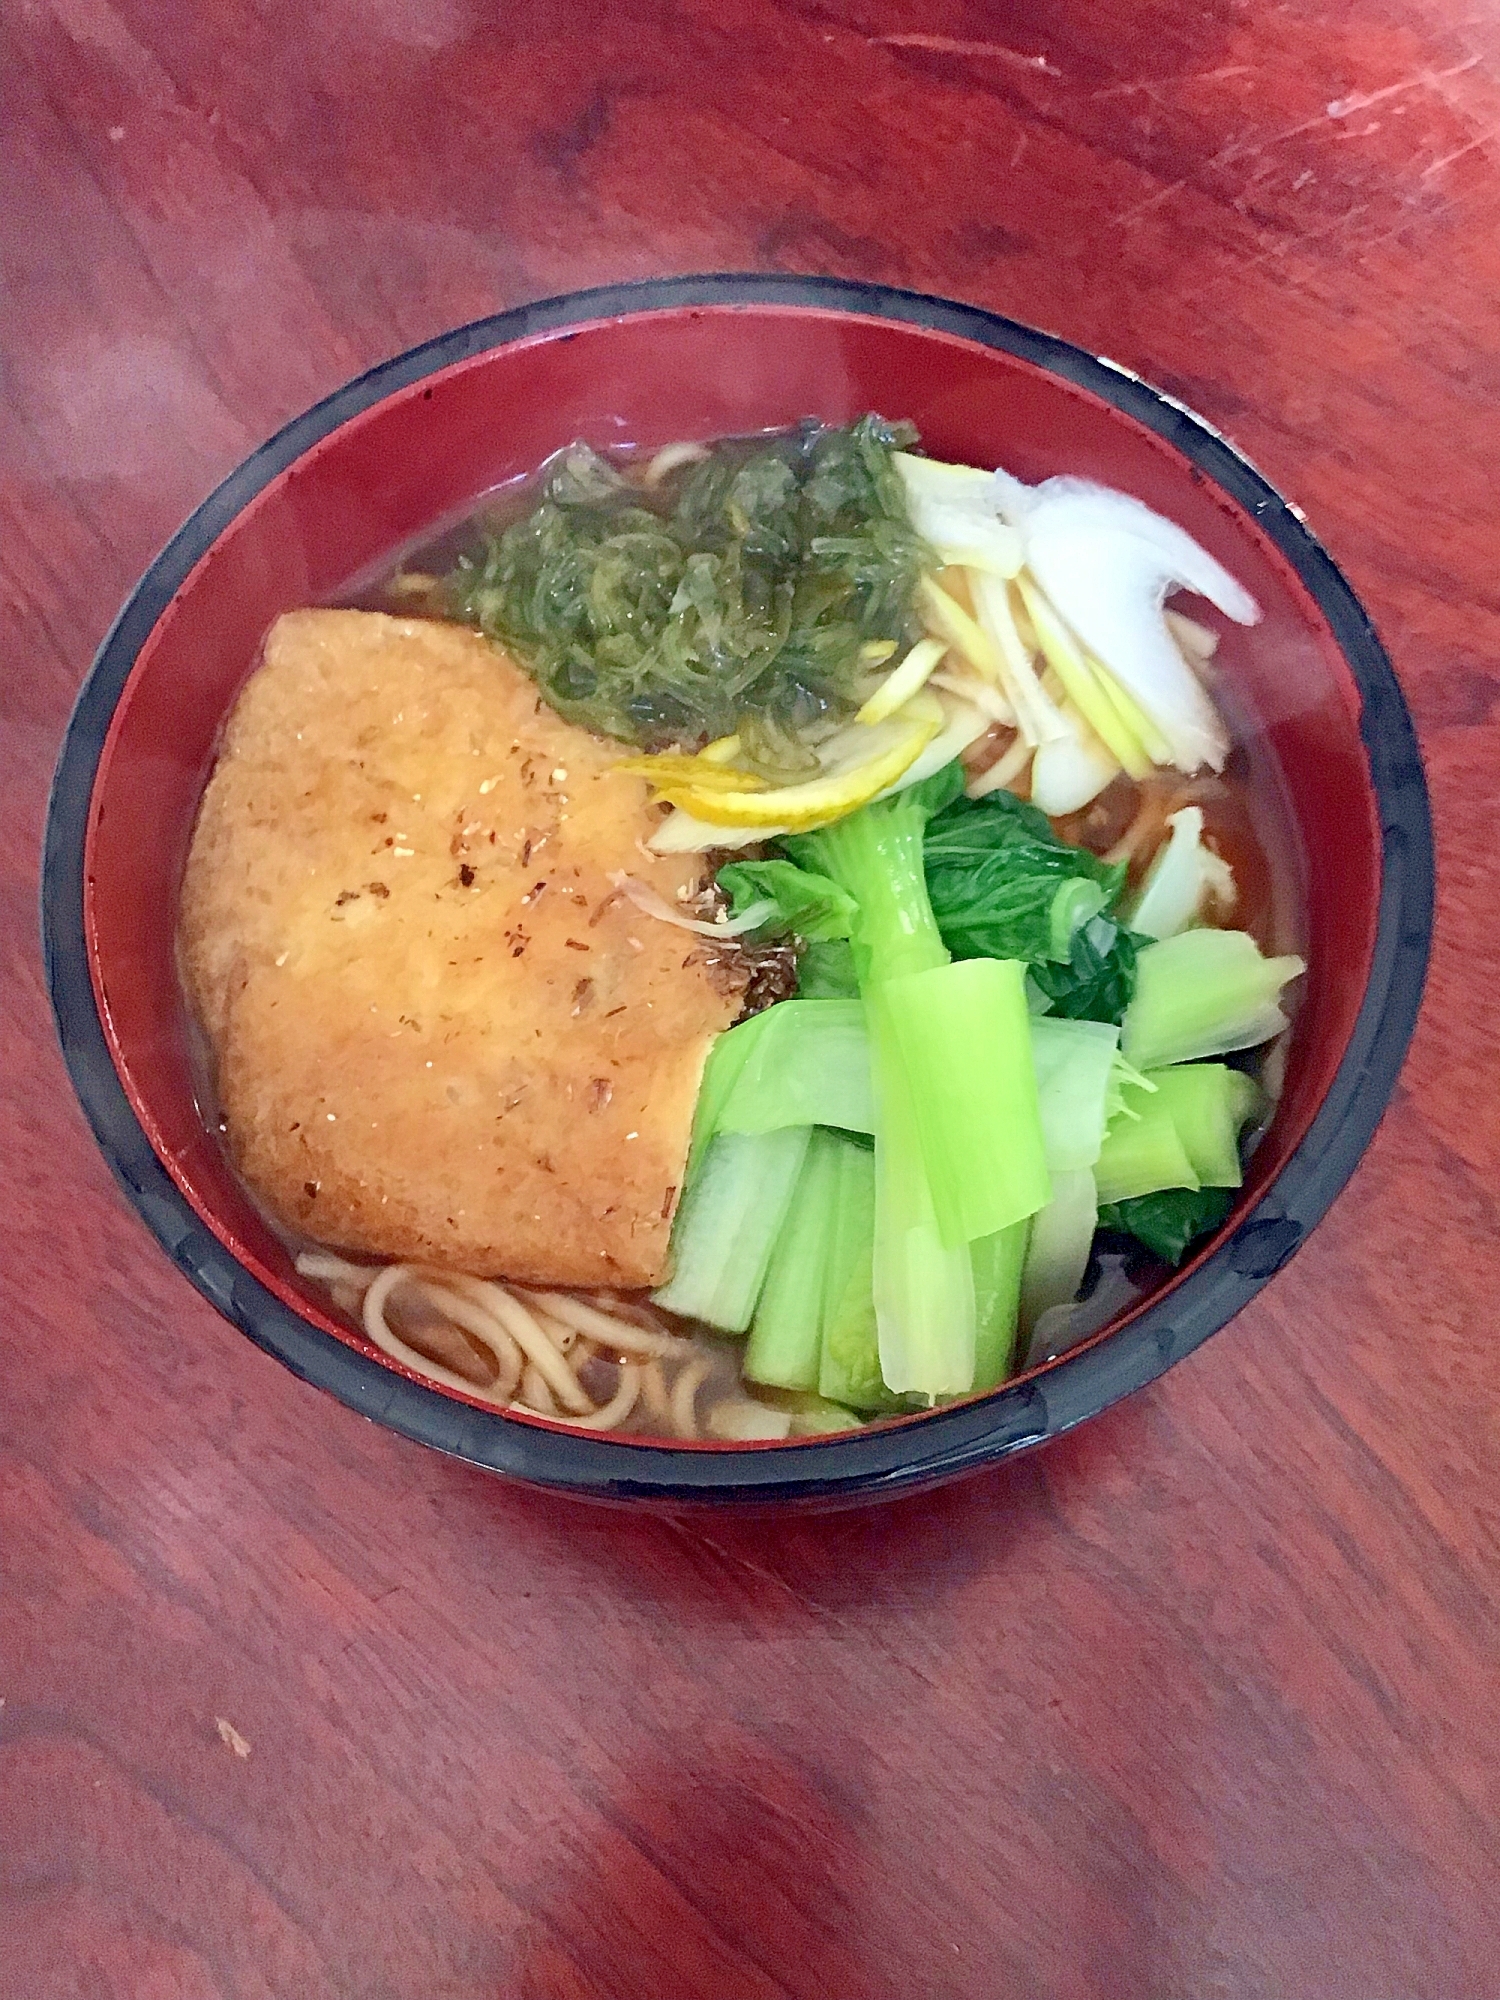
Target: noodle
(654, 1394)
(535, 1394)
(379, 1329)
(335, 1270)
(563, 1338)
(605, 1327)
(1158, 802)
(686, 1387)
(528, 1335)
(484, 1327)
(534, 1343)
(613, 1413)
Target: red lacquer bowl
(423, 436)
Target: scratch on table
(1151, 86)
(1276, 251)
(950, 45)
(1344, 107)
(1361, 100)
(1140, 208)
(1459, 152)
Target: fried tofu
(439, 1034)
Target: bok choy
(947, 1053)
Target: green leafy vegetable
(849, 1370)
(826, 972)
(812, 1415)
(807, 905)
(784, 1340)
(1062, 1241)
(1204, 993)
(1075, 1063)
(964, 1039)
(1143, 1151)
(1177, 1128)
(940, 1069)
(1004, 886)
(727, 1226)
(746, 601)
(923, 1289)
(997, 1262)
(1169, 1221)
(1210, 1104)
(1098, 980)
(807, 1063)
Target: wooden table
(1201, 1701)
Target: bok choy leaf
(1004, 886)
(1169, 1221)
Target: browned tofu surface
(439, 1034)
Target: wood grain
(1198, 1701)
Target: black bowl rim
(862, 1465)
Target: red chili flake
(466, 876)
(377, 889)
(574, 945)
(666, 1205)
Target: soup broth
(613, 1358)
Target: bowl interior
(427, 451)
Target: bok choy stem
(957, 1135)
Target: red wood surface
(1199, 1701)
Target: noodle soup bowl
(342, 490)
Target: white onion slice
(1067, 776)
(1108, 562)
